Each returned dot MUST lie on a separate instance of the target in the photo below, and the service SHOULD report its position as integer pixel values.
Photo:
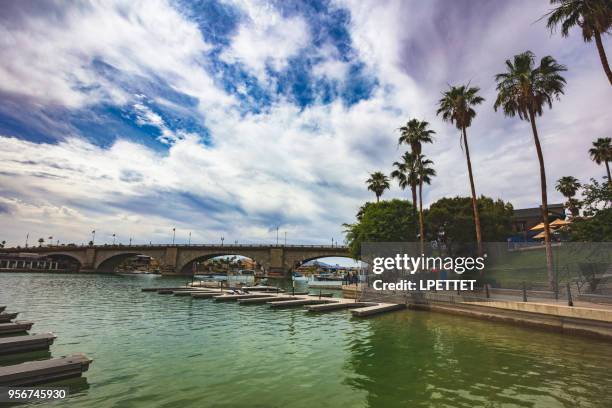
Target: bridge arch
(185, 267)
(107, 261)
(74, 256)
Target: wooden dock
(7, 317)
(15, 327)
(227, 298)
(205, 295)
(37, 372)
(377, 309)
(2, 307)
(297, 302)
(328, 307)
(24, 344)
(259, 301)
(190, 292)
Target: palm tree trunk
(414, 209)
(377, 198)
(602, 56)
(608, 170)
(549, 257)
(474, 198)
(421, 223)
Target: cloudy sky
(230, 118)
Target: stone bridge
(179, 259)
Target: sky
(234, 118)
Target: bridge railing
(153, 246)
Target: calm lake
(166, 351)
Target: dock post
(487, 290)
(569, 295)
(524, 292)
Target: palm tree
(594, 17)
(378, 183)
(424, 173)
(406, 175)
(568, 186)
(601, 152)
(415, 133)
(456, 106)
(523, 90)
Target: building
(526, 218)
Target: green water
(151, 350)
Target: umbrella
(559, 222)
(540, 226)
(541, 235)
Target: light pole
(113, 239)
(222, 238)
(332, 242)
(276, 236)
(93, 237)
(130, 241)
(189, 237)
(173, 235)
(285, 238)
(27, 237)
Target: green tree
(597, 228)
(406, 175)
(385, 221)
(601, 152)
(378, 183)
(457, 106)
(568, 186)
(523, 90)
(596, 197)
(40, 241)
(424, 172)
(594, 17)
(451, 220)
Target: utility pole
(173, 235)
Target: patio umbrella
(559, 223)
(541, 235)
(540, 226)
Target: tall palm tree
(523, 90)
(378, 183)
(406, 175)
(568, 186)
(456, 106)
(594, 17)
(424, 173)
(414, 133)
(601, 152)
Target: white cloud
(266, 39)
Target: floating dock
(328, 307)
(37, 372)
(15, 327)
(7, 317)
(190, 292)
(23, 344)
(377, 309)
(297, 302)
(158, 289)
(259, 301)
(205, 295)
(227, 298)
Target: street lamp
(130, 241)
(276, 236)
(222, 238)
(27, 237)
(189, 237)
(113, 239)
(285, 238)
(93, 237)
(173, 235)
